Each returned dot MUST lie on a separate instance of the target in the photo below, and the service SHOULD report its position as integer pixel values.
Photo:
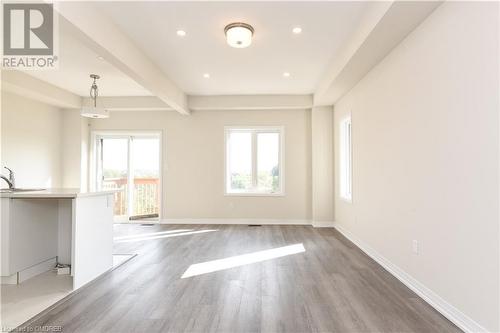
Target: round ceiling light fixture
(239, 35)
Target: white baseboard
(236, 221)
(12, 279)
(446, 309)
(39, 268)
(30, 272)
(316, 224)
(323, 224)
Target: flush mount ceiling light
(181, 33)
(206, 76)
(94, 111)
(239, 34)
(286, 74)
(297, 30)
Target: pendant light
(94, 111)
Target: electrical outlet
(415, 246)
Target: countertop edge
(55, 194)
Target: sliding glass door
(131, 163)
(113, 171)
(145, 174)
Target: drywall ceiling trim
(395, 22)
(130, 103)
(96, 31)
(20, 83)
(26, 85)
(208, 103)
(372, 16)
(250, 102)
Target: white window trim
(256, 129)
(345, 193)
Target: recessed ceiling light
(181, 33)
(239, 35)
(297, 30)
(100, 58)
(206, 76)
(286, 74)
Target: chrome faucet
(11, 180)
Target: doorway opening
(130, 162)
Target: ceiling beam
(250, 102)
(207, 103)
(91, 26)
(20, 83)
(383, 28)
(26, 85)
(130, 103)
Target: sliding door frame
(124, 134)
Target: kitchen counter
(67, 226)
(66, 193)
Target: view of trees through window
(268, 150)
(243, 160)
(142, 164)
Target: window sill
(253, 194)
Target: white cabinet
(29, 233)
(77, 230)
(92, 238)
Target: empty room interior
(250, 166)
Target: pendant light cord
(94, 92)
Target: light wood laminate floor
(331, 287)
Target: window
(346, 159)
(254, 160)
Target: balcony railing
(146, 195)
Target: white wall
(425, 128)
(74, 149)
(322, 164)
(31, 135)
(194, 162)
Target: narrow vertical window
(346, 159)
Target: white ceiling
(257, 69)
(77, 62)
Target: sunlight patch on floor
(244, 259)
(140, 239)
(151, 234)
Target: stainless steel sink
(11, 190)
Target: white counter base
(75, 228)
(39, 227)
